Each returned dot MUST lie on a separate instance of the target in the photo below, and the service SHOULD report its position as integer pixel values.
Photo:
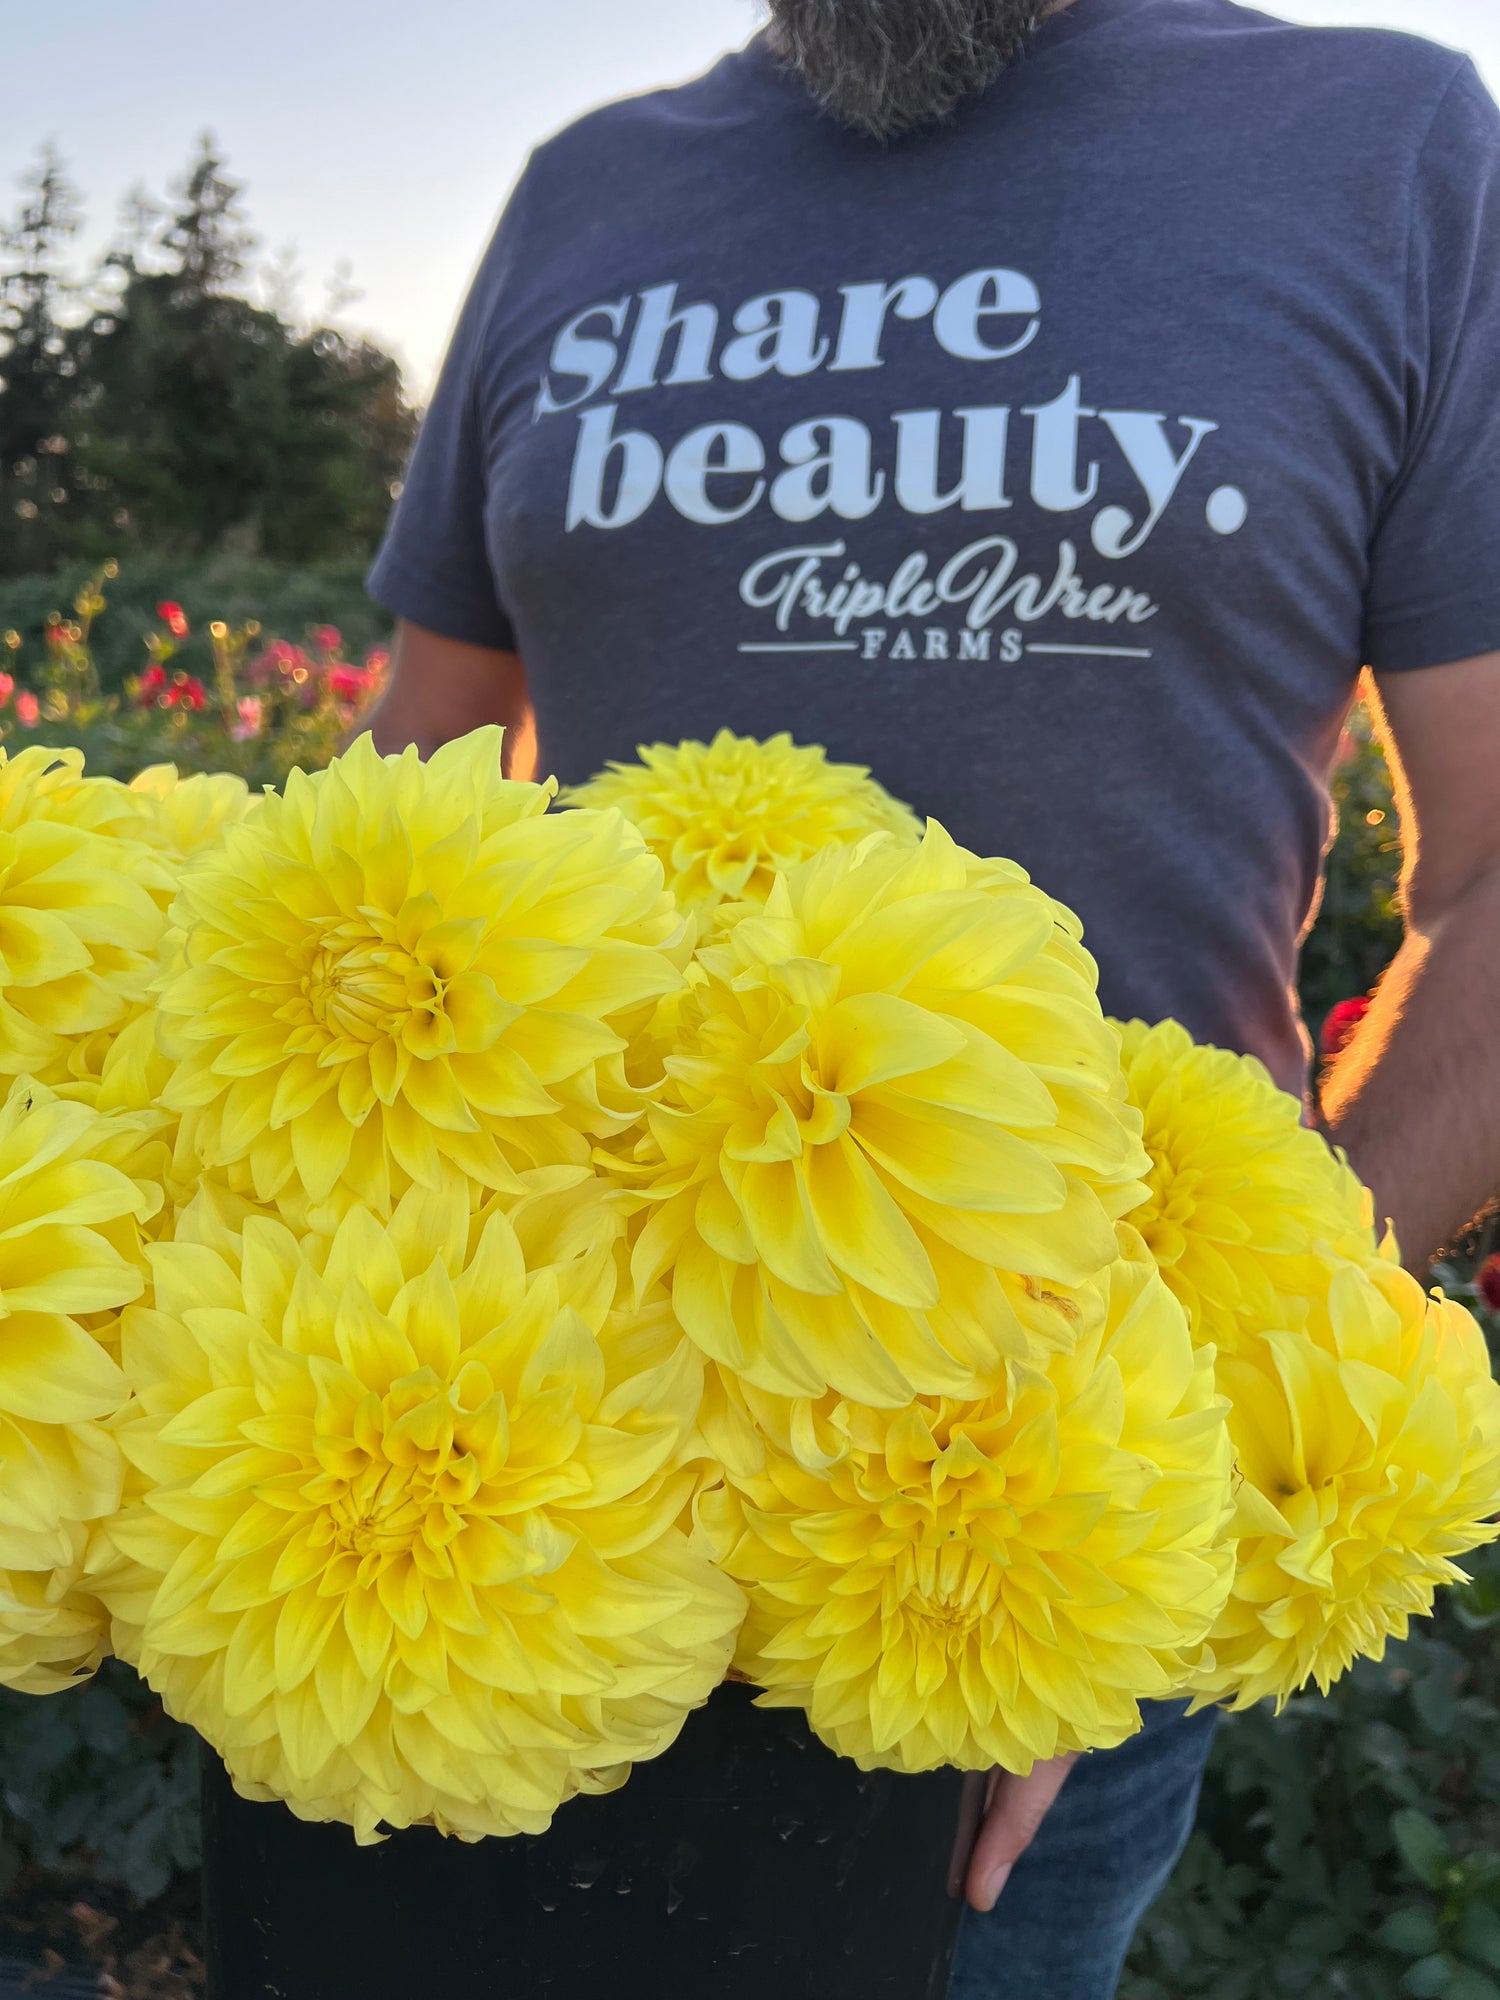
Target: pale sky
(386, 133)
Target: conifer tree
(36, 368)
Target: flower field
(258, 704)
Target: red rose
(1339, 1028)
(7, 686)
(28, 709)
(327, 638)
(1489, 1282)
(193, 693)
(174, 618)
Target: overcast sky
(386, 133)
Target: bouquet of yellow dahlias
(476, 1271)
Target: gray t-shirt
(1063, 464)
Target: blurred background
(232, 244)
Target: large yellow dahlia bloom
(1246, 1203)
(894, 1140)
(397, 965)
(1367, 1452)
(989, 1582)
(69, 1251)
(725, 817)
(80, 915)
(406, 1547)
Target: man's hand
(442, 688)
(1415, 1098)
(1013, 1813)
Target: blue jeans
(1063, 1926)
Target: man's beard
(884, 66)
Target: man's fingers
(1016, 1809)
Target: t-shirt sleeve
(1435, 565)
(433, 567)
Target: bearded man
(1053, 408)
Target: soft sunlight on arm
(1416, 1097)
(441, 688)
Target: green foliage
(97, 1783)
(1358, 929)
(1350, 1848)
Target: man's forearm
(1415, 1099)
(442, 688)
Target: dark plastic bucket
(749, 1863)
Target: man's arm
(1415, 1098)
(441, 688)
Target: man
(1052, 408)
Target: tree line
(154, 406)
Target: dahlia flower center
(1170, 1207)
(785, 1098)
(366, 990)
(944, 1594)
(413, 1474)
(945, 1619)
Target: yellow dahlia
(184, 817)
(988, 1582)
(1367, 1453)
(894, 1141)
(396, 965)
(80, 920)
(1245, 1201)
(725, 817)
(69, 1250)
(407, 1547)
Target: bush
(261, 704)
(284, 598)
(1349, 1849)
(98, 1784)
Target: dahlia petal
(864, 1230)
(54, 1372)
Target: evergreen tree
(189, 419)
(205, 239)
(36, 370)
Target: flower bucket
(748, 1863)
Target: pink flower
(174, 618)
(264, 665)
(7, 686)
(1339, 1029)
(327, 638)
(249, 708)
(1489, 1282)
(28, 710)
(377, 660)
